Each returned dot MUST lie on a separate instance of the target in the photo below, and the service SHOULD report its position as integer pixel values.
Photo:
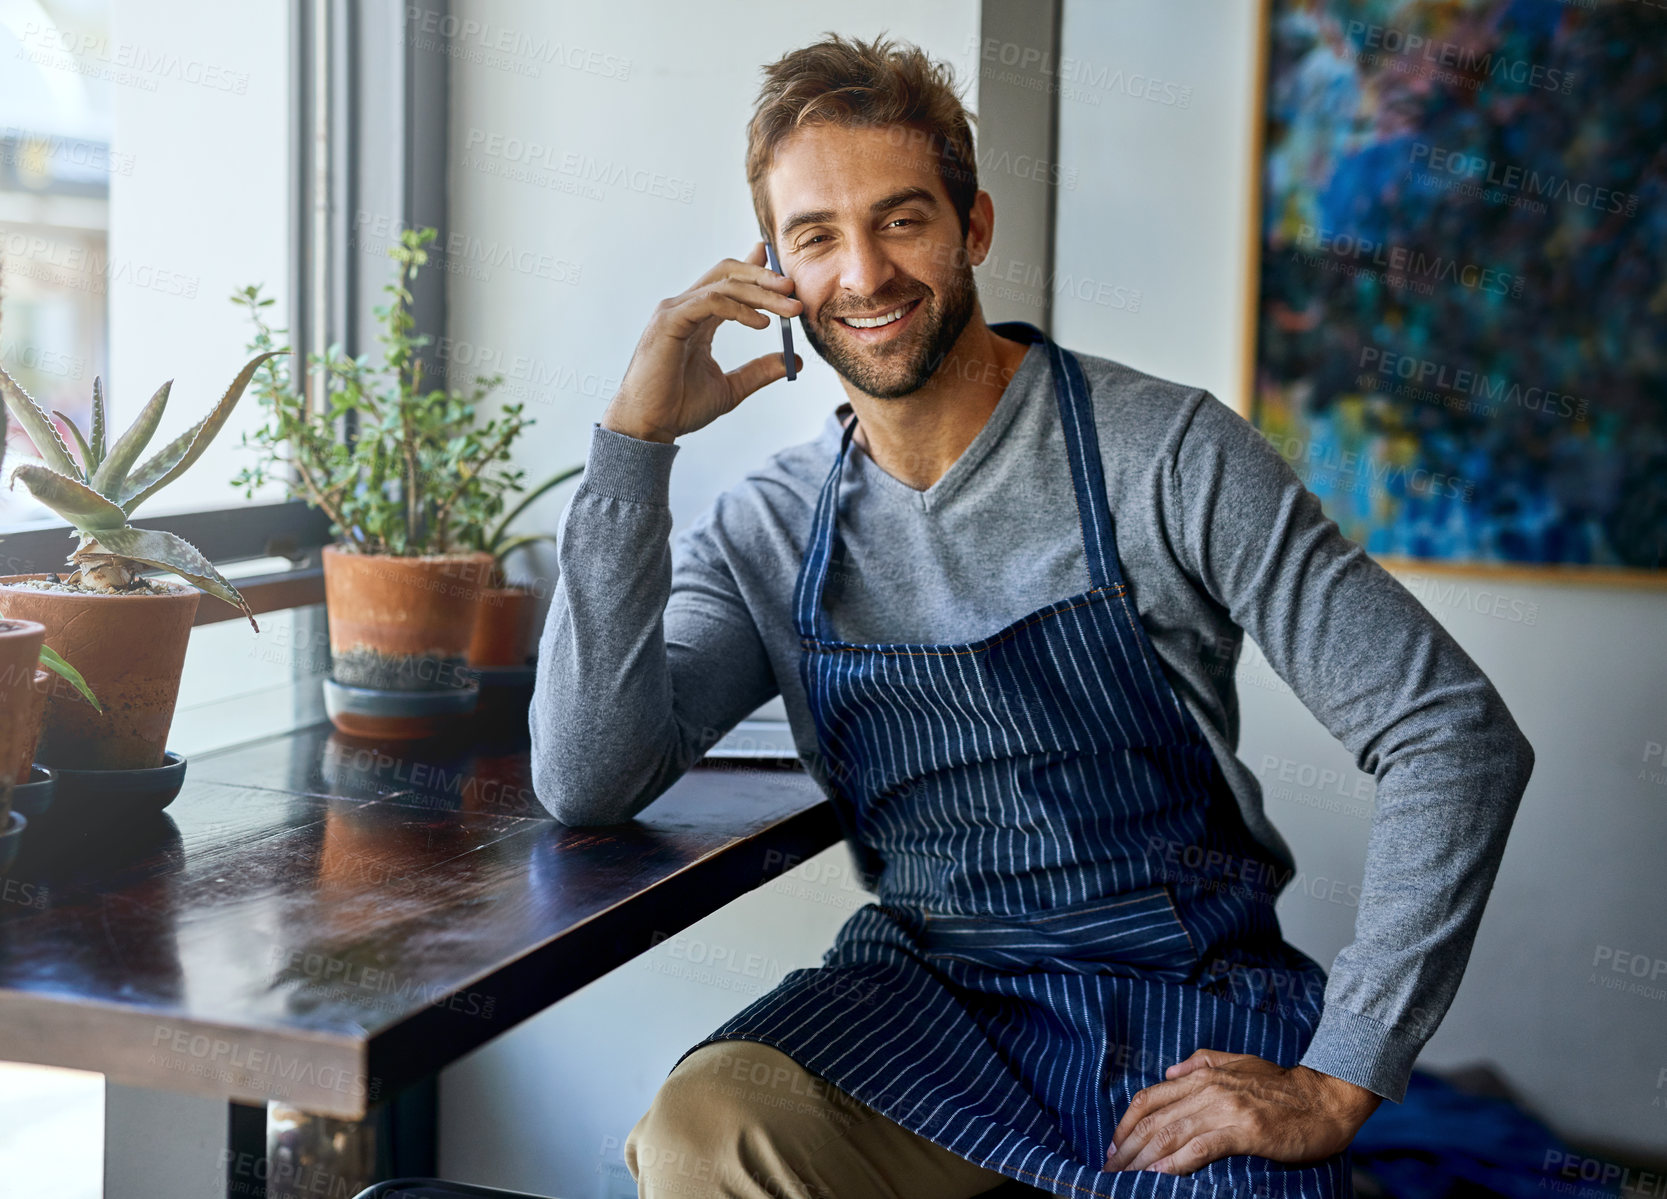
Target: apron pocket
(1139, 929)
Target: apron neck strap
(1088, 475)
(809, 618)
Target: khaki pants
(741, 1119)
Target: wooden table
(318, 925)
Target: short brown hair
(872, 85)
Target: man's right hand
(673, 385)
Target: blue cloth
(1069, 900)
(1440, 1143)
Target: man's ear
(981, 228)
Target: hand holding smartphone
(673, 385)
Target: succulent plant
(49, 657)
(97, 496)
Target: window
(145, 174)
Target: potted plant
(26, 669)
(126, 632)
(12, 826)
(503, 631)
(409, 476)
(24, 679)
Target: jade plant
(98, 494)
(399, 466)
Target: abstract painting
(1461, 319)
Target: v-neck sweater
(654, 648)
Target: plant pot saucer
(116, 794)
(35, 796)
(400, 715)
(505, 676)
(11, 837)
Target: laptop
(760, 739)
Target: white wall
(1583, 669)
(547, 1107)
(1154, 118)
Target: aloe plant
(98, 494)
(49, 657)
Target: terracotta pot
(21, 706)
(402, 624)
(34, 721)
(504, 629)
(130, 649)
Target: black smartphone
(786, 328)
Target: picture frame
(1449, 298)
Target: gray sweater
(652, 652)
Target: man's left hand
(1216, 1104)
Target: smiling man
(1001, 597)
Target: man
(1001, 597)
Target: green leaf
(80, 443)
(515, 543)
(39, 427)
(165, 551)
(526, 500)
(77, 503)
(112, 472)
(173, 460)
(98, 425)
(51, 660)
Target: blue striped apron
(1069, 901)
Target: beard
(904, 365)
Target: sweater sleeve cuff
(628, 468)
(1360, 1050)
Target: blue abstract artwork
(1462, 311)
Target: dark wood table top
(325, 921)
